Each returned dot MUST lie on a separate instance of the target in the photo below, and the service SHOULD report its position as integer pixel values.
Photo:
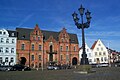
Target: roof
(26, 33)
(12, 33)
(93, 46)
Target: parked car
(19, 67)
(51, 67)
(5, 68)
(117, 64)
(27, 68)
(102, 65)
(99, 65)
(65, 66)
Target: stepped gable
(24, 34)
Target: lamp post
(82, 25)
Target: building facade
(39, 47)
(100, 52)
(8, 47)
(88, 52)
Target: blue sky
(55, 14)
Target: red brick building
(39, 47)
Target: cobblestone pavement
(107, 73)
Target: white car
(52, 67)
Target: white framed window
(12, 59)
(100, 53)
(99, 44)
(97, 49)
(32, 57)
(66, 48)
(74, 48)
(23, 47)
(40, 58)
(61, 48)
(95, 53)
(67, 57)
(104, 53)
(90, 54)
(102, 59)
(13, 41)
(1, 49)
(40, 47)
(87, 50)
(38, 37)
(32, 47)
(6, 59)
(90, 60)
(7, 40)
(7, 50)
(12, 50)
(2, 40)
(105, 58)
(1, 59)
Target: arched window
(51, 48)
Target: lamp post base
(84, 61)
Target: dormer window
(0, 32)
(12, 34)
(23, 36)
(73, 40)
(4, 32)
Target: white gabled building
(8, 47)
(100, 52)
(88, 52)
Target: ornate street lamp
(82, 25)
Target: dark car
(27, 68)
(19, 67)
(5, 68)
(117, 64)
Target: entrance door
(74, 61)
(51, 57)
(23, 60)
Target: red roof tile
(93, 46)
